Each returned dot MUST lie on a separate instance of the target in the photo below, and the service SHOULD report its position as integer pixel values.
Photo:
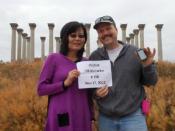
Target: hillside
(22, 110)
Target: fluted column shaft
(123, 27)
(28, 49)
(51, 26)
(128, 40)
(58, 42)
(13, 41)
(42, 47)
(136, 32)
(159, 41)
(19, 55)
(141, 32)
(24, 52)
(32, 40)
(88, 26)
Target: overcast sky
(132, 12)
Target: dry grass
(22, 110)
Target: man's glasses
(77, 35)
(104, 18)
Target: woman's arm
(45, 85)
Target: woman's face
(76, 40)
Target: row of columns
(139, 34)
(23, 44)
(58, 42)
(26, 45)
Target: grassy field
(22, 110)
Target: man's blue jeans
(133, 122)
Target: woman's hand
(72, 75)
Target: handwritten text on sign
(94, 74)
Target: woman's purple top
(68, 109)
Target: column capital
(141, 26)
(127, 38)
(32, 25)
(159, 26)
(131, 35)
(51, 25)
(14, 25)
(19, 30)
(87, 25)
(57, 38)
(43, 38)
(24, 35)
(136, 31)
(123, 26)
(28, 37)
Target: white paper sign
(94, 74)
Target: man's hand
(150, 56)
(102, 92)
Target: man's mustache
(109, 35)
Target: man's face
(107, 33)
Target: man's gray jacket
(129, 76)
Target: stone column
(58, 42)
(131, 35)
(88, 26)
(128, 40)
(19, 56)
(136, 32)
(51, 26)
(159, 41)
(32, 40)
(123, 27)
(13, 41)
(43, 47)
(24, 52)
(141, 32)
(28, 49)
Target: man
(120, 105)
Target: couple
(69, 108)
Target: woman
(68, 108)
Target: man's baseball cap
(104, 19)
